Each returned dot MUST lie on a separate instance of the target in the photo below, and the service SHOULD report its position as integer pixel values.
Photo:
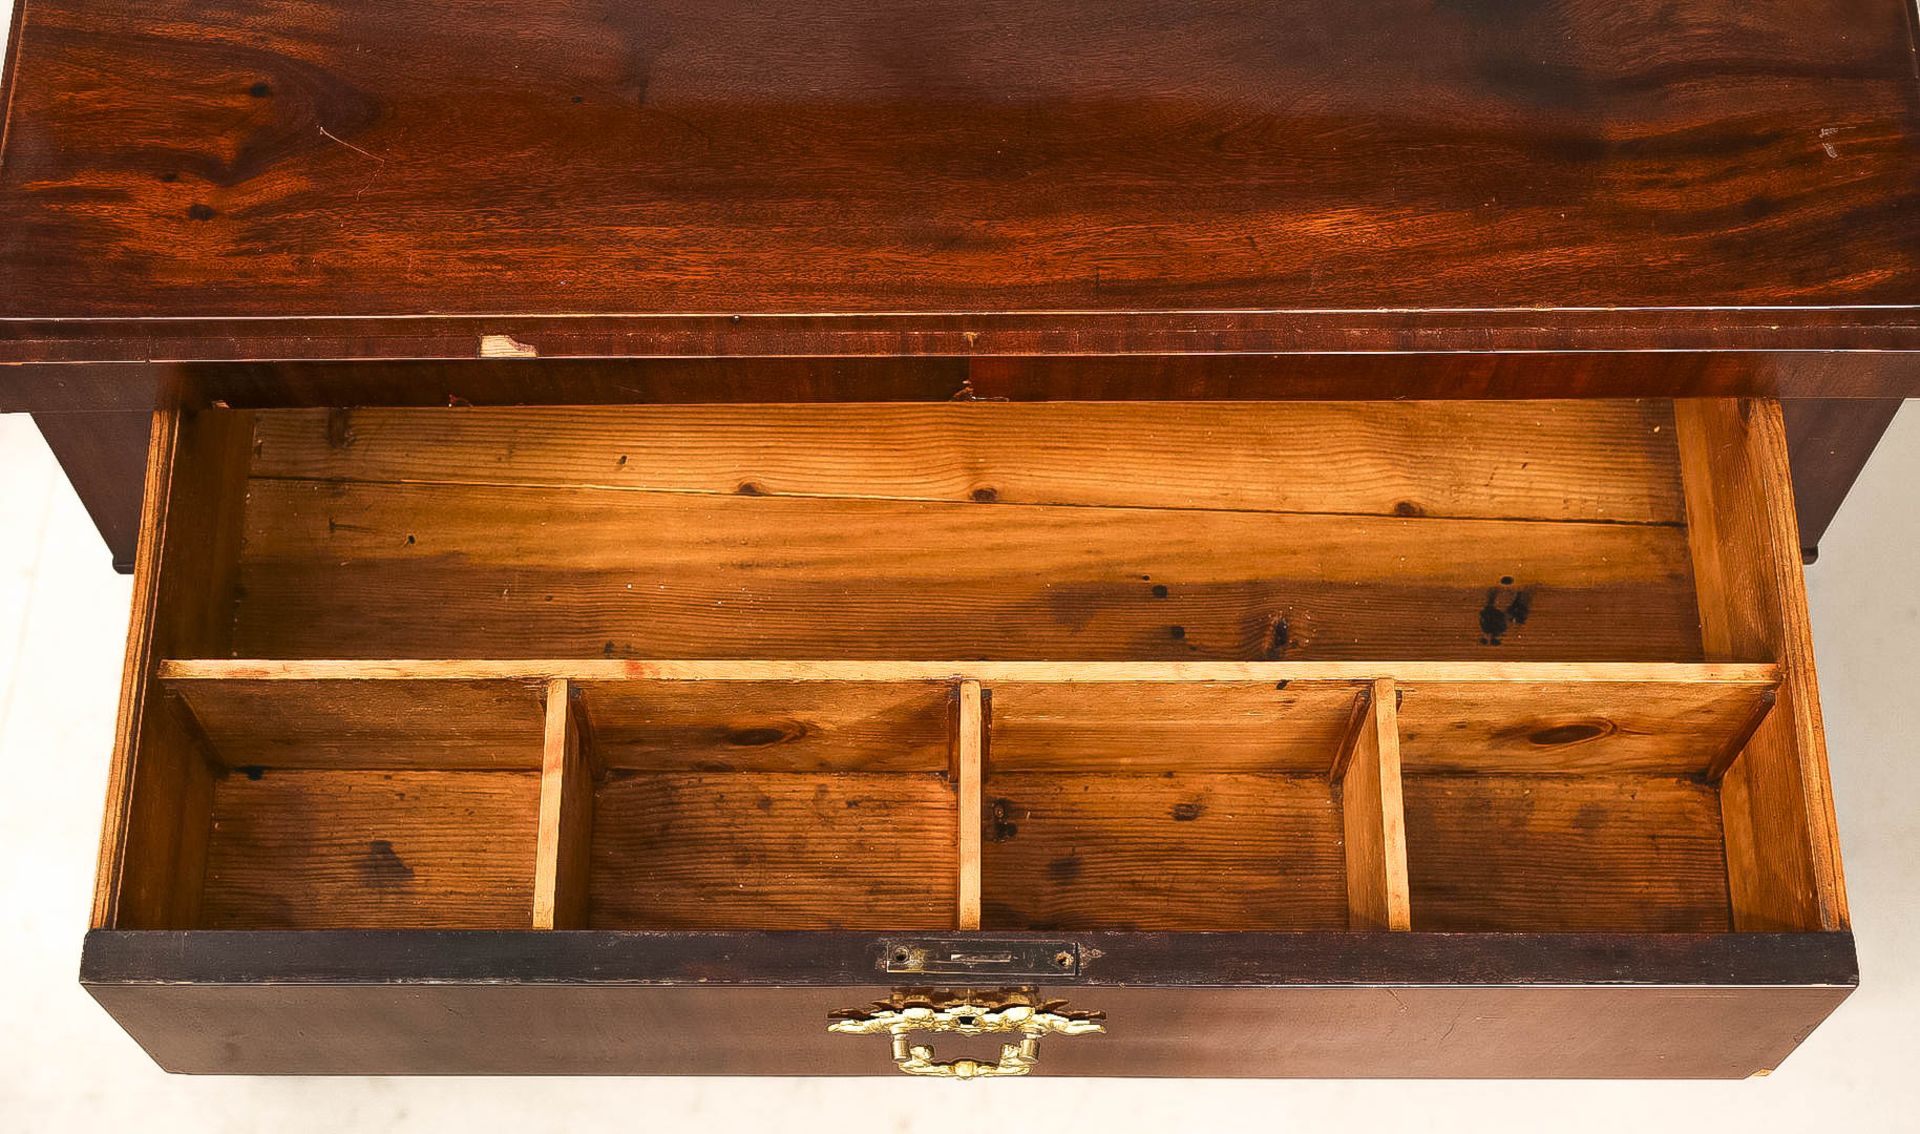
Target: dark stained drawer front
(1169, 1004)
(1153, 739)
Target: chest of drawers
(827, 537)
(1288, 737)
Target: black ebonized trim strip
(598, 957)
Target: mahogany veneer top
(184, 179)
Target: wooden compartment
(770, 805)
(1167, 806)
(352, 804)
(1584, 806)
(968, 682)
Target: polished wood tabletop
(212, 179)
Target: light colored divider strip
(987, 673)
(566, 818)
(969, 741)
(1376, 827)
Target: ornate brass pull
(965, 1019)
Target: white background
(65, 1066)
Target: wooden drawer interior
(1283, 666)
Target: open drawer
(1435, 738)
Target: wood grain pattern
(1677, 728)
(1653, 165)
(197, 557)
(1255, 1004)
(1171, 851)
(769, 726)
(1783, 852)
(1434, 1030)
(1359, 712)
(1736, 743)
(1563, 854)
(425, 725)
(566, 818)
(1201, 354)
(751, 850)
(153, 834)
(969, 739)
(1669, 364)
(1215, 727)
(162, 842)
(557, 572)
(142, 896)
(752, 670)
(1109, 959)
(313, 849)
(1826, 449)
(1571, 460)
(1373, 824)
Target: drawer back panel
(969, 531)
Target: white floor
(64, 1066)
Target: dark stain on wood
(383, 866)
(1279, 639)
(1187, 812)
(1065, 869)
(1000, 824)
(1496, 623)
(1558, 736)
(762, 736)
(1493, 621)
(339, 428)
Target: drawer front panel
(1296, 1005)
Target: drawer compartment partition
(1237, 691)
(705, 795)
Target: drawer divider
(970, 739)
(566, 816)
(1367, 774)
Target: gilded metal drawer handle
(1016, 1058)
